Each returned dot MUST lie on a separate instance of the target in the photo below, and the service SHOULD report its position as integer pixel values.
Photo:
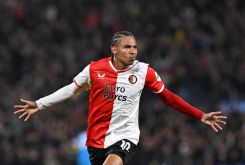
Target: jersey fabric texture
(114, 100)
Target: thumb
(24, 101)
(28, 102)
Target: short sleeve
(153, 81)
(83, 77)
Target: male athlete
(115, 85)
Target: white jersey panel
(124, 119)
(83, 77)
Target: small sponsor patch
(101, 76)
(132, 79)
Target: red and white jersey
(114, 100)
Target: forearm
(56, 97)
(179, 104)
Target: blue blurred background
(197, 47)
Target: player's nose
(133, 51)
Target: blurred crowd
(197, 46)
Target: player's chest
(127, 83)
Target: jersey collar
(118, 71)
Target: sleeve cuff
(159, 91)
(40, 106)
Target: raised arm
(213, 119)
(154, 83)
(28, 108)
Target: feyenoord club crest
(132, 79)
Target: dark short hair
(118, 35)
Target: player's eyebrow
(129, 46)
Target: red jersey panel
(114, 100)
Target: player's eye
(127, 46)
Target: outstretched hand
(214, 119)
(26, 110)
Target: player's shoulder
(140, 65)
(101, 63)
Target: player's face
(125, 51)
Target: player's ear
(113, 50)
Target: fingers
(218, 126)
(27, 117)
(23, 114)
(215, 129)
(221, 121)
(20, 106)
(218, 118)
(27, 102)
(25, 110)
(216, 113)
(21, 110)
(24, 101)
(221, 117)
(27, 114)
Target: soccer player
(115, 85)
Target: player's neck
(118, 65)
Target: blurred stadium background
(197, 46)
